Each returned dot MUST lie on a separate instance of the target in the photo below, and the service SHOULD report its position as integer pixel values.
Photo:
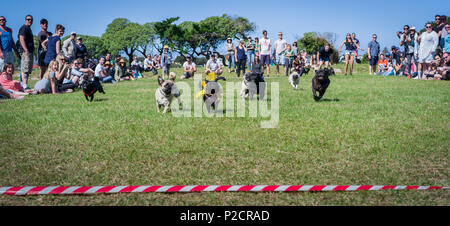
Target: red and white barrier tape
(85, 190)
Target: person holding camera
(407, 41)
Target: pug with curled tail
(165, 93)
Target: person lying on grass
(4, 93)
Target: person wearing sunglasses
(26, 49)
(6, 44)
(350, 47)
(429, 41)
(447, 39)
(407, 41)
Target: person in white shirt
(265, 48)
(189, 68)
(280, 46)
(100, 71)
(213, 66)
(429, 41)
(148, 65)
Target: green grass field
(369, 130)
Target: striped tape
(89, 190)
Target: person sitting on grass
(189, 68)
(52, 82)
(401, 66)
(213, 66)
(122, 72)
(78, 71)
(108, 78)
(4, 93)
(148, 65)
(136, 68)
(7, 82)
(442, 69)
(382, 65)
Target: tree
(168, 33)
(124, 36)
(148, 32)
(311, 42)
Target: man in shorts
(324, 55)
(280, 47)
(265, 48)
(26, 50)
(373, 51)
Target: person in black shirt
(324, 55)
(42, 36)
(80, 51)
(26, 49)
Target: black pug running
(91, 87)
(320, 83)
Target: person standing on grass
(53, 44)
(189, 68)
(280, 46)
(241, 57)
(265, 48)
(250, 52)
(429, 41)
(231, 57)
(289, 56)
(406, 40)
(373, 52)
(356, 45)
(69, 47)
(42, 36)
(350, 47)
(26, 50)
(7, 44)
(324, 55)
(166, 61)
(257, 47)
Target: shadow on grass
(331, 100)
(100, 99)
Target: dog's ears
(160, 81)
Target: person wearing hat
(69, 46)
(166, 61)
(121, 70)
(80, 50)
(108, 67)
(189, 68)
(240, 57)
(231, 55)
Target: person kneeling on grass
(213, 66)
(189, 68)
(382, 65)
(136, 68)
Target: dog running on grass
(91, 87)
(165, 93)
(320, 83)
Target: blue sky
(292, 17)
